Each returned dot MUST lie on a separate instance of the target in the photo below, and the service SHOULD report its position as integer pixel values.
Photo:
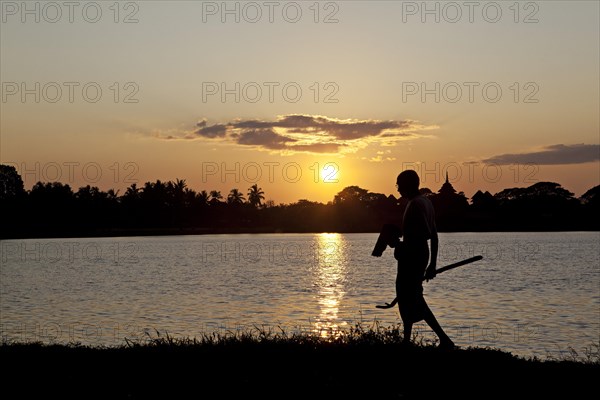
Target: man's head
(408, 183)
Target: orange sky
(182, 90)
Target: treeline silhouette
(53, 209)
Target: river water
(532, 294)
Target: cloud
(556, 154)
(339, 129)
(211, 132)
(392, 135)
(308, 133)
(266, 138)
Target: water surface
(532, 294)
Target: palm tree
(176, 191)
(132, 191)
(203, 197)
(235, 197)
(179, 186)
(189, 197)
(215, 196)
(111, 194)
(255, 195)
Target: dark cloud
(306, 133)
(339, 129)
(263, 137)
(551, 155)
(298, 121)
(252, 124)
(344, 130)
(212, 131)
(357, 130)
(392, 135)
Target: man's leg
(435, 325)
(407, 331)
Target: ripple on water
(531, 294)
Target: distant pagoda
(447, 189)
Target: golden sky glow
(367, 88)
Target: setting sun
(330, 173)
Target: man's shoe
(447, 345)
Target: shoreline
(270, 365)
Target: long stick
(439, 271)
(458, 264)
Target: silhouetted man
(418, 226)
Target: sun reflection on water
(329, 278)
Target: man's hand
(430, 272)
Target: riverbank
(265, 364)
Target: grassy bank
(359, 363)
